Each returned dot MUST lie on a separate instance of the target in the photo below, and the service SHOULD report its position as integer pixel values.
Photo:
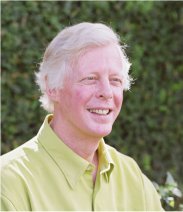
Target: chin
(103, 132)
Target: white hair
(66, 47)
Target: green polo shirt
(45, 174)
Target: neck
(84, 146)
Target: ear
(53, 93)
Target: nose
(104, 90)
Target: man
(67, 165)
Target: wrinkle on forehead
(100, 57)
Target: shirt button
(89, 168)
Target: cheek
(81, 95)
(78, 95)
(119, 99)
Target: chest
(115, 194)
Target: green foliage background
(149, 127)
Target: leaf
(170, 180)
(170, 201)
(177, 192)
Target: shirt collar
(72, 165)
(106, 164)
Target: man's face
(92, 96)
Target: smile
(100, 111)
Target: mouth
(100, 111)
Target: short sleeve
(153, 202)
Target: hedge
(149, 127)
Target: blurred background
(149, 127)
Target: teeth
(101, 112)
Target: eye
(116, 81)
(90, 78)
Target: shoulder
(129, 172)
(122, 160)
(18, 161)
(17, 168)
(19, 154)
(23, 161)
(127, 167)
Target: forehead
(98, 59)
